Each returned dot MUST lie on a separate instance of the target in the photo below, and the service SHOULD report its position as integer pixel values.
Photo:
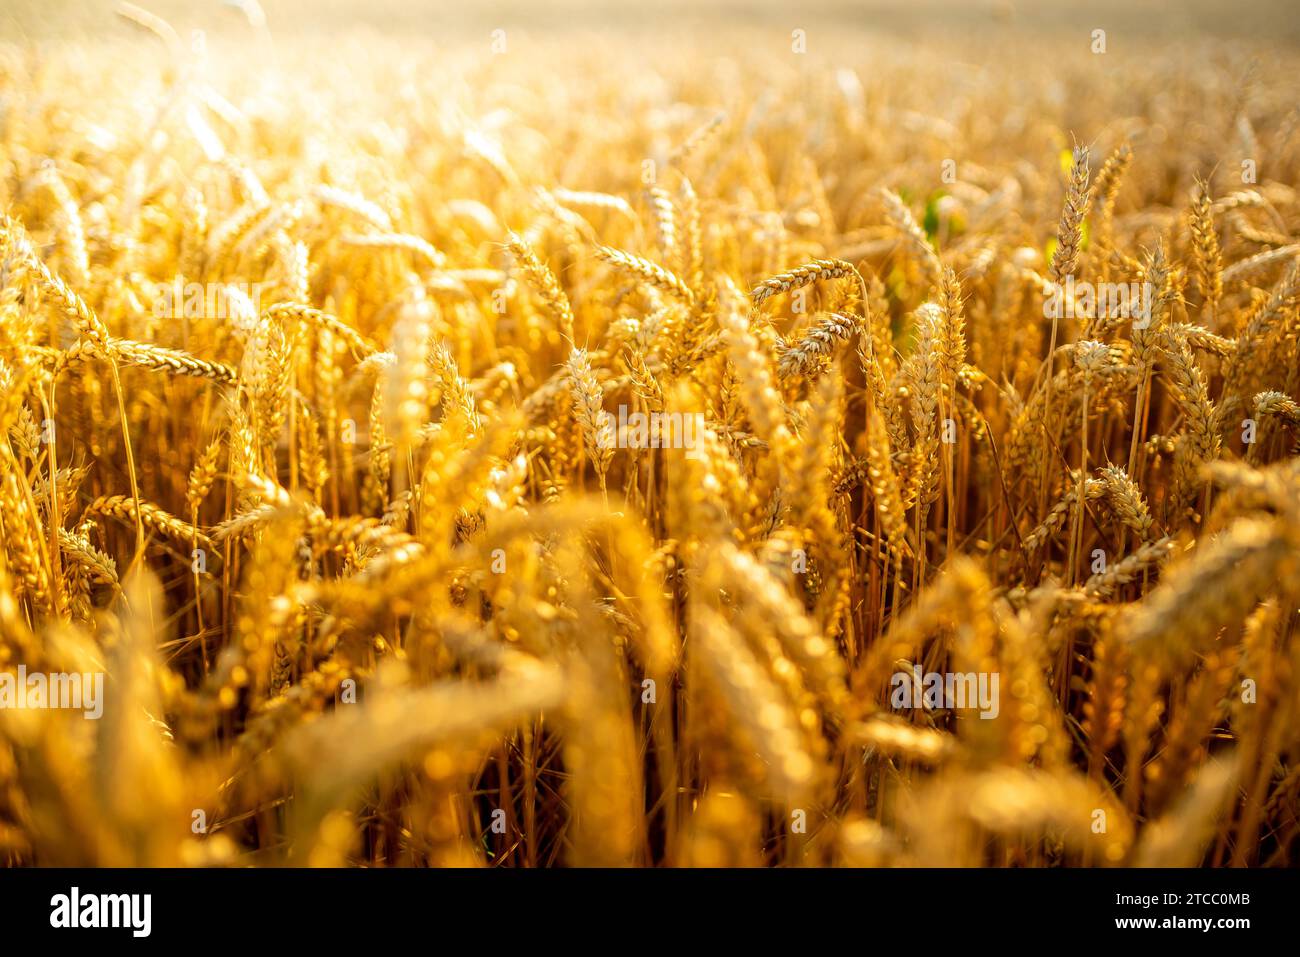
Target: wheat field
(544, 440)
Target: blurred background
(1131, 20)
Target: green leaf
(931, 221)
